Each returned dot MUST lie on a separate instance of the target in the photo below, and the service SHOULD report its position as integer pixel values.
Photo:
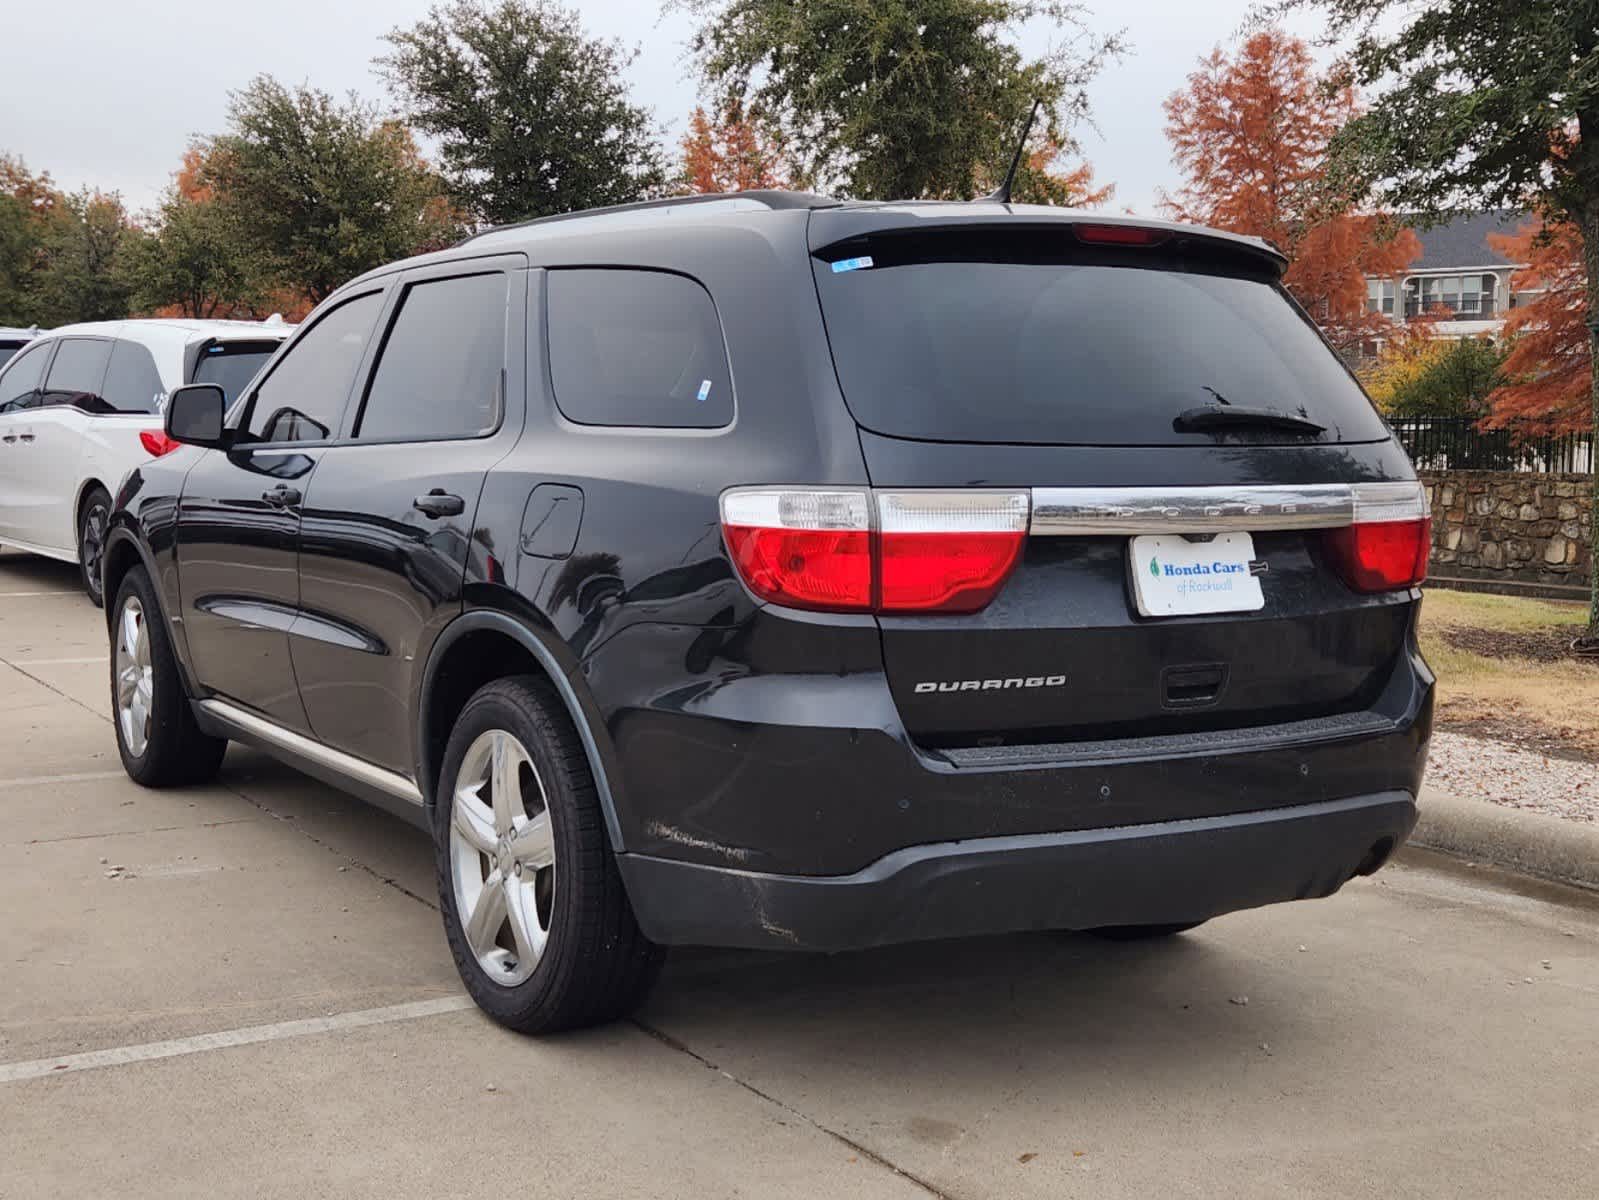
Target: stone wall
(1511, 526)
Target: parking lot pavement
(248, 993)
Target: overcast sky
(107, 92)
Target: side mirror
(194, 415)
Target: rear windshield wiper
(1208, 418)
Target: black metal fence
(1456, 444)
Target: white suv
(81, 406)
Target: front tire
(157, 737)
(93, 520)
(534, 909)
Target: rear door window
(78, 374)
(634, 347)
(132, 382)
(303, 398)
(22, 377)
(438, 374)
(231, 365)
(1004, 340)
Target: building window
(1380, 296)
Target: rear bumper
(1175, 871)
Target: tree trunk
(1586, 173)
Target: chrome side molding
(1100, 511)
(344, 764)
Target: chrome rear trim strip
(297, 743)
(1098, 511)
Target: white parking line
(55, 662)
(29, 595)
(83, 777)
(122, 1055)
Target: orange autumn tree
(730, 155)
(1550, 364)
(1250, 133)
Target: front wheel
(93, 519)
(157, 736)
(534, 909)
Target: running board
(356, 770)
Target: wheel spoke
(130, 630)
(483, 926)
(127, 680)
(474, 822)
(534, 843)
(505, 781)
(523, 912)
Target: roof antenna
(1001, 194)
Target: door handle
(439, 503)
(282, 496)
(27, 437)
(10, 437)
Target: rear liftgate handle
(439, 503)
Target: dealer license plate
(1173, 576)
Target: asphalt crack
(843, 1139)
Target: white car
(80, 407)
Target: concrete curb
(1529, 842)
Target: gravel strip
(1479, 769)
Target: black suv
(777, 572)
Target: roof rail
(771, 197)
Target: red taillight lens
(803, 549)
(1382, 556)
(157, 442)
(931, 551)
(1387, 545)
(947, 551)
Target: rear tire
(157, 737)
(93, 519)
(553, 944)
(1142, 933)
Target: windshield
(232, 365)
(1085, 353)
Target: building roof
(1463, 242)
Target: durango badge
(992, 685)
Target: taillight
(928, 552)
(947, 551)
(157, 442)
(1387, 546)
(803, 549)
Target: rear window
(992, 347)
(231, 365)
(634, 347)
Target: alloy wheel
(135, 679)
(502, 857)
(93, 546)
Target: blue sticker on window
(852, 264)
(705, 390)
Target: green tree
(320, 191)
(1479, 103)
(898, 99)
(1453, 379)
(196, 262)
(27, 202)
(531, 114)
(82, 275)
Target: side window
(77, 374)
(22, 377)
(302, 399)
(438, 373)
(132, 383)
(637, 348)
